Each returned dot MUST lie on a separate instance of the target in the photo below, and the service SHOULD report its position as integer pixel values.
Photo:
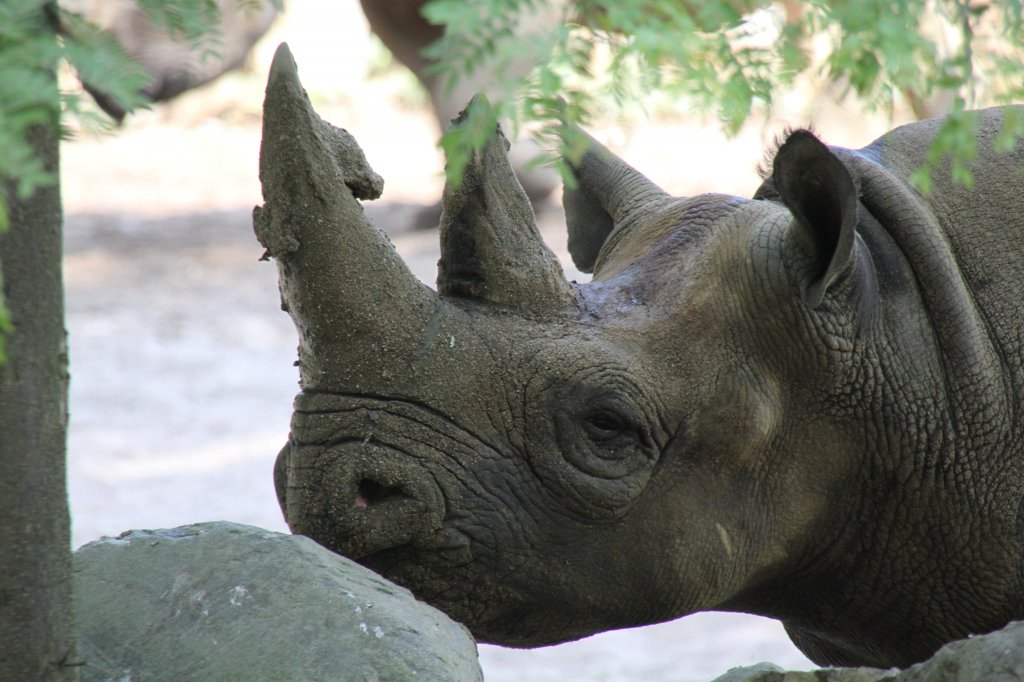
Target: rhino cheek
(715, 492)
(739, 422)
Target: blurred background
(182, 361)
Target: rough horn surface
(341, 279)
(491, 249)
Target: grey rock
(995, 657)
(222, 601)
(759, 672)
(768, 672)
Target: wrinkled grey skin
(805, 405)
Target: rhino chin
(493, 610)
(529, 628)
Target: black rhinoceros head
(545, 459)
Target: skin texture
(803, 405)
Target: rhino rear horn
(819, 191)
(491, 249)
(609, 194)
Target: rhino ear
(608, 194)
(819, 191)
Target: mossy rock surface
(223, 601)
(997, 656)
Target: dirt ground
(181, 359)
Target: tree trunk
(36, 626)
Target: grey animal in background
(402, 28)
(174, 66)
(807, 405)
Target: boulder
(223, 601)
(984, 658)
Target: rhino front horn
(352, 298)
(491, 249)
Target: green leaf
(192, 21)
(29, 54)
(922, 180)
(102, 63)
(467, 137)
(1011, 133)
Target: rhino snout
(357, 499)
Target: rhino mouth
(501, 597)
(449, 578)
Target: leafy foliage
(27, 60)
(194, 21)
(734, 57)
(29, 56)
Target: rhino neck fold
(973, 369)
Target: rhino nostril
(358, 500)
(370, 492)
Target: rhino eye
(606, 425)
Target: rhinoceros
(804, 405)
